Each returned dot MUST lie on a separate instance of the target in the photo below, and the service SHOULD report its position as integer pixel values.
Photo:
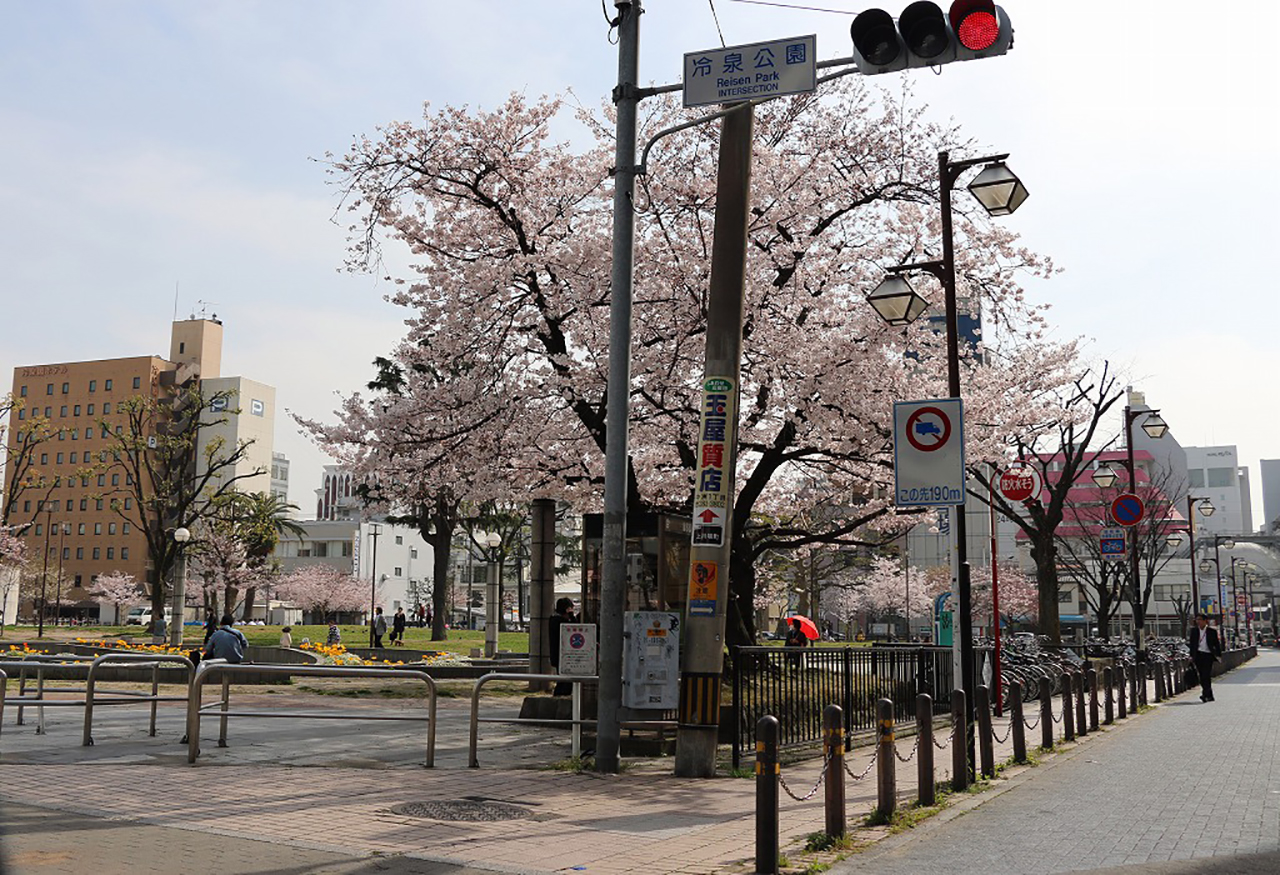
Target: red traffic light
(975, 24)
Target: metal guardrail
(576, 721)
(130, 697)
(91, 664)
(196, 708)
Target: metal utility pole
(613, 579)
(44, 575)
(703, 642)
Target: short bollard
(886, 761)
(1171, 679)
(1137, 671)
(986, 743)
(1016, 725)
(1091, 678)
(959, 742)
(924, 749)
(1046, 714)
(1122, 683)
(1159, 682)
(1068, 724)
(1082, 725)
(833, 747)
(767, 770)
(1108, 707)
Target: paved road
(1190, 788)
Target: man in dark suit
(1206, 649)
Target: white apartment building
(1216, 473)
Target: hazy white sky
(153, 144)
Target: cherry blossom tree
(503, 368)
(117, 588)
(12, 561)
(325, 590)
(218, 564)
(1019, 594)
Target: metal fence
(796, 684)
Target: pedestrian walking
(398, 622)
(422, 617)
(379, 627)
(563, 614)
(1206, 649)
(227, 643)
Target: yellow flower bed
(121, 644)
(337, 654)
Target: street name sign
(738, 73)
(1111, 544)
(928, 453)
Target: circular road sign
(1127, 509)
(577, 640)
(928, 429)
(1020, 483)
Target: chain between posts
(950, 738)
(1028, 723)
(996, 735)
(874, 753)
(806, 797)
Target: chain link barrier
(943, 745)
(1007, 732)
(909, 757)
(1027, 723)
(806, 797)
(874, 753)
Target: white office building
(1216, 473)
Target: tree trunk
(740, 627)
(1044, 552)
(250, 594)
(437, 530)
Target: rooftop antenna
(204, 308)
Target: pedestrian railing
(576, 721)
(209, 669)
(89, 667)
(1088, 700)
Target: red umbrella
(807, 626)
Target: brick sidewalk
(636, 822)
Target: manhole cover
(468, 811)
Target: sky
(154, 149)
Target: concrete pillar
(542, 595)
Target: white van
(141, 616)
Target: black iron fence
(796, 684)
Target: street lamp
(999, 192)
(181, 536)
(1104, 476)
(1206, 509)
(1155, 427)
(491, 607)
(896, 302)
(375, 530)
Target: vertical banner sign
(711, 489)
(355, 553)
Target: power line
(717, 21)
(793, 6)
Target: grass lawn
(460, 641)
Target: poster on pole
(716, 430)
(578, 649)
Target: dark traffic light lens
(978, 30)
(924, 29)
(875, 37)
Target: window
(97, 528)
(66, 552)
(26, 506)
(23, 392)
(1196, 478)
(128, 503)
(81, 529)
(124, 528)
(53, 505)
(128, 479)
(137, 382)
(97, 504)
(48, 390)
(44, 458)
(89, 411)
(111, 552)
(66, 527)
(97, 552)
(111, 528)
(106, 406)
(102, 479)
(346, 549)
(66, 387)
(59, 457)
(1221, 477)
(84, 504)
(93, 385)
(413, 552)
(76, 410)
(320, 548)
(22, 414)
(124, 552)
(62, 411)
(115, 479)
(48, 412)
(399, 539)
(1066, 596)
(399, 571)
(39, 528)
(182, 347)
(75, 434)
(79, 552)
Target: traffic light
(925, 37)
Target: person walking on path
(563, 614)
(227, 643)
(1206, 649)
(397, 627)
(379, 627)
